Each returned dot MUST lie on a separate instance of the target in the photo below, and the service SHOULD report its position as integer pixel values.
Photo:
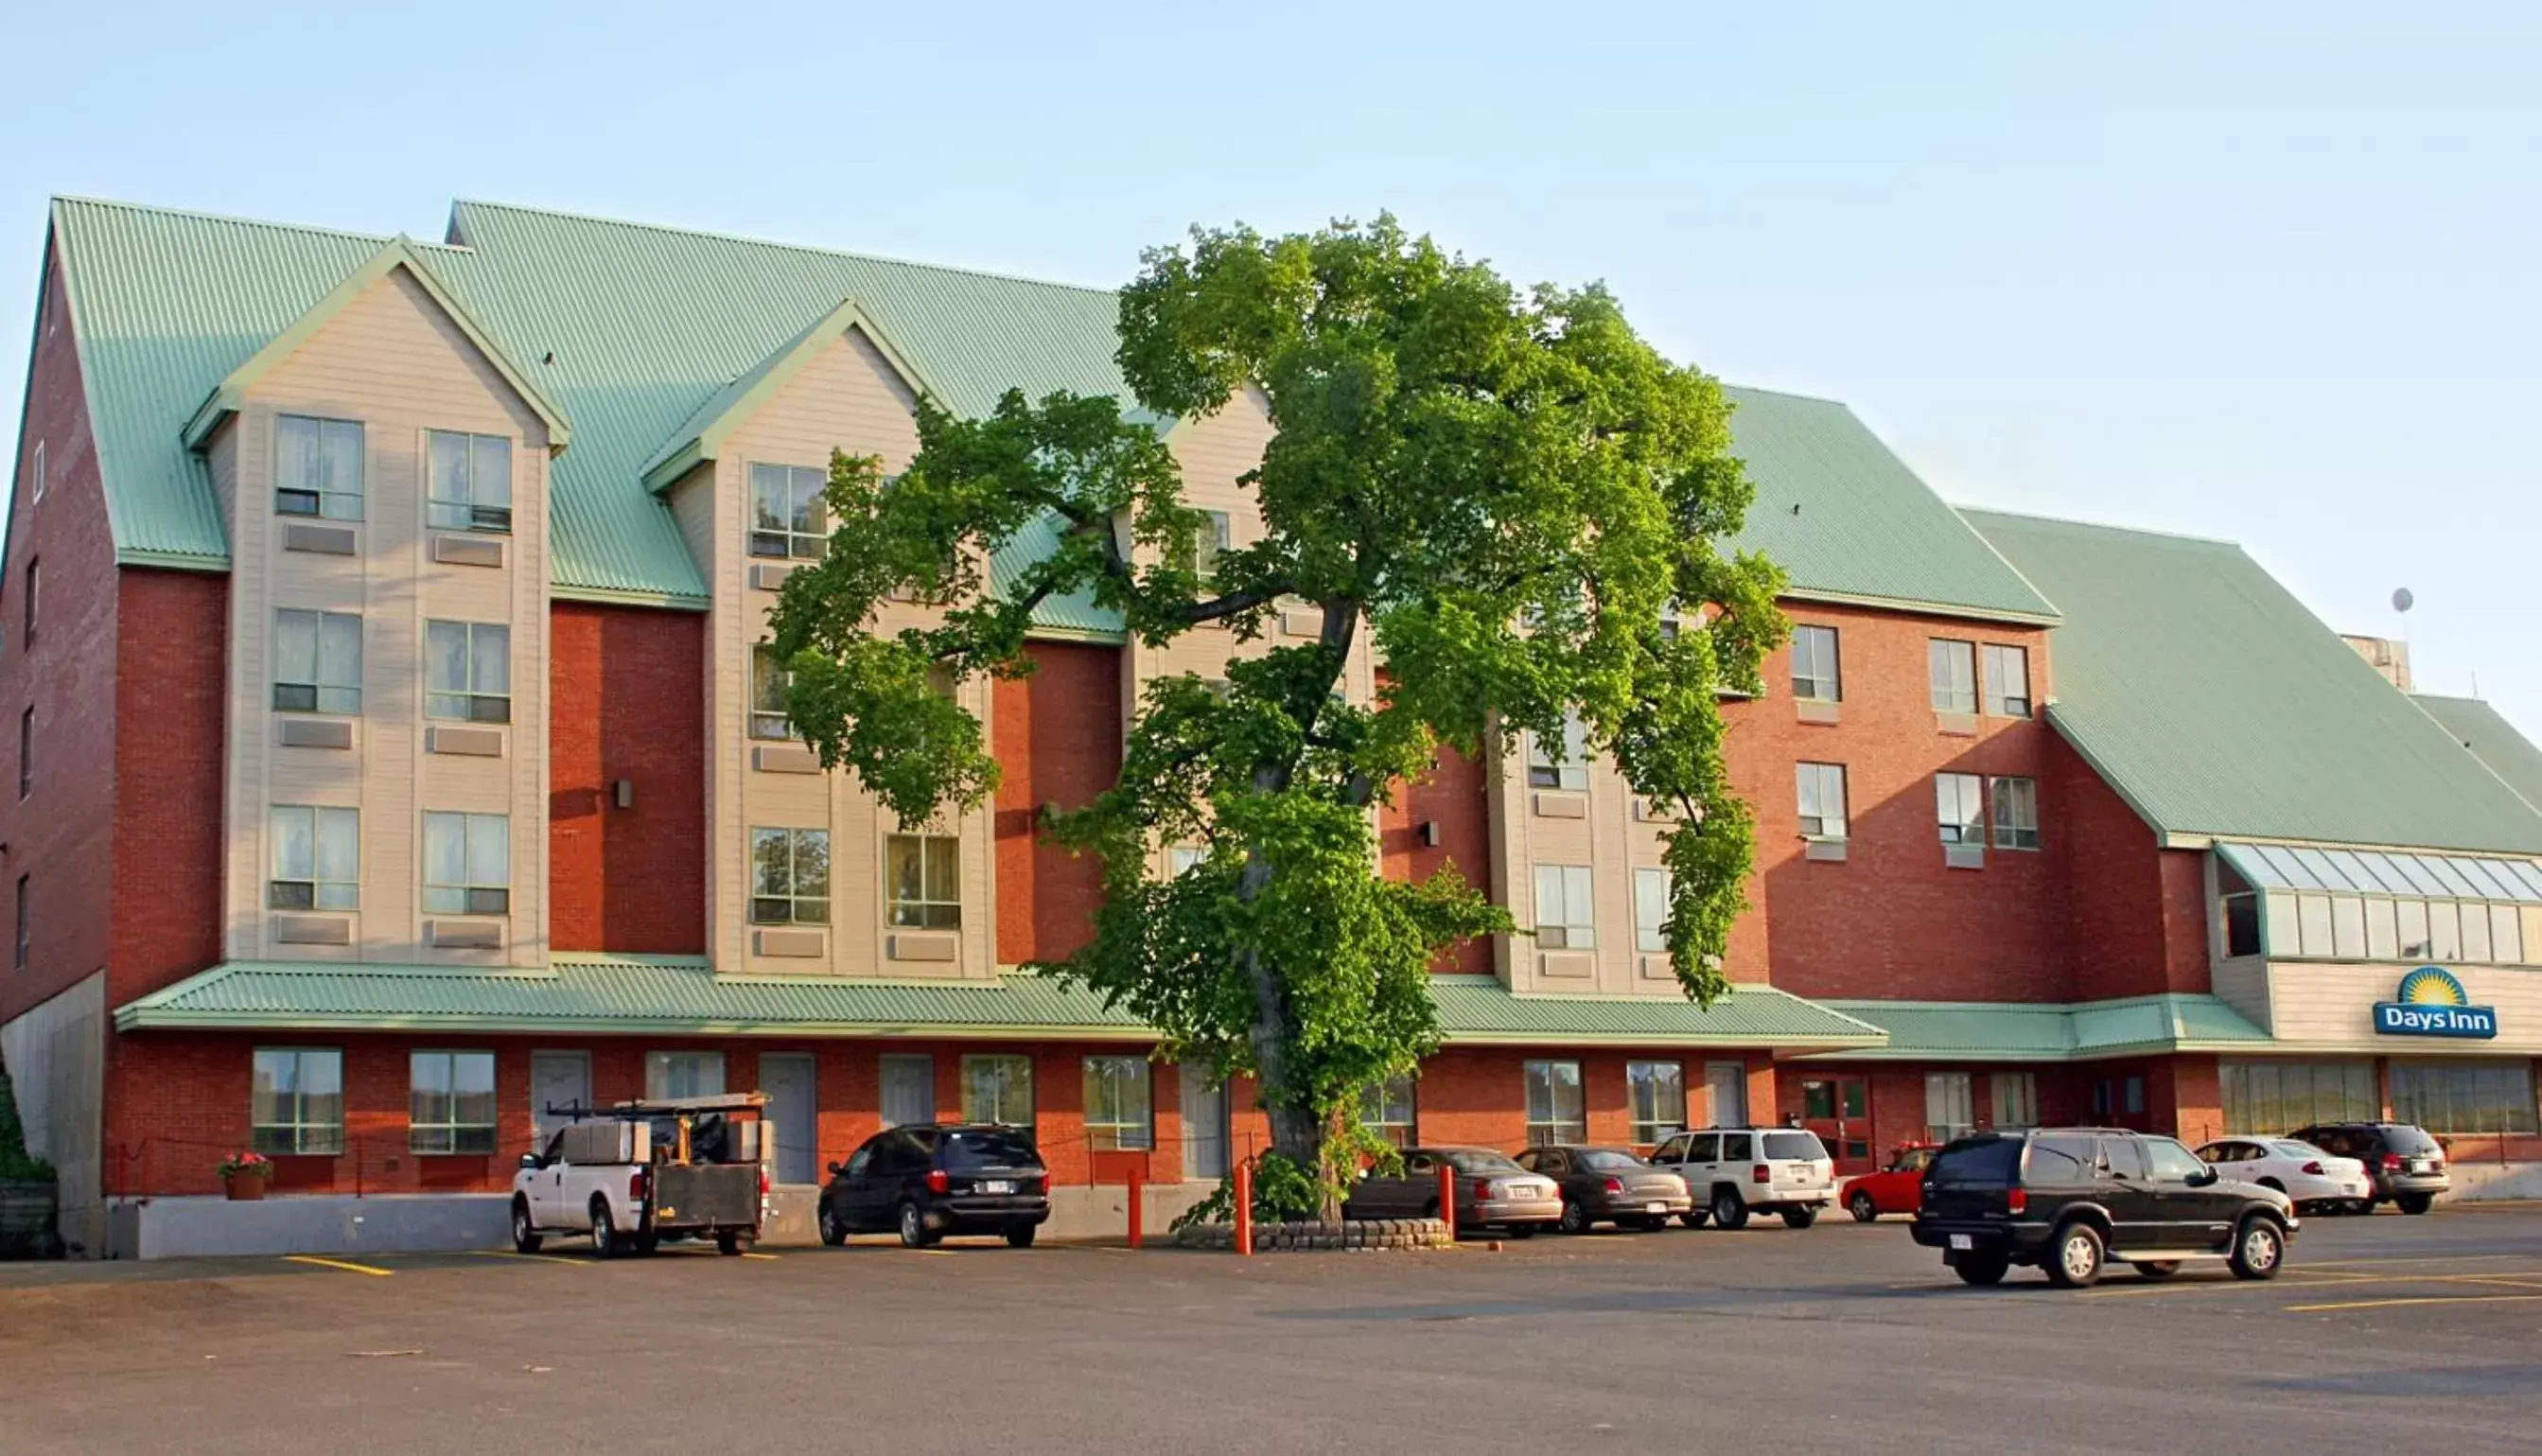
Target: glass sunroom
(2301, 902)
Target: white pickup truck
(634, 1174)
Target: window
(1650, 910)
(20, 959)
(789, 877)
(1117, 1104)
(1658, 1091)
(1182, 859)
(467, 864)
(470, 485)
(34, 568)
(1958, 806)
(317, 662)
(769, 684)
(2267, 1097)
(1566, 918)
(1815, 674)
(1565, 766)
(1556, 1110)
(787, 516)
(2382, 931)
(27, 751)
(2505, 936)
(1214, 536)
(1949, 1109)
(297, 1105)
(1955, 676)
(2016, 1097)
(2242, 924)
(2475, 933)
(670, 1074)
(2445, 931)
(39, 471)
(1386, 1111)
(2016, 814)
(2412, 916)
(1821, 786)
(925, 873)
(2464, 1097)
(468, 671)
(317, 468)
(316, 858)
(450, 1102)
(998, 1089)
(2007, 681)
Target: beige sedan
(1491, 1192)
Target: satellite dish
(2402, 600)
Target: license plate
(1962, 1240)
(997, 1185)
(2417, 1165)
(1655, 1207)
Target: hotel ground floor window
(1557, 1110)
(450, 1102)
(669, 1074)
(2464, 1097)
(2016, 1097)
(1659, 1099)
(297, 1105)
(998, 1089)
(1118, 1108)
(1387, 1112)
(1950, 1109)
(2265, 1099)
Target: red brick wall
(172, 702)
(2138, 921)
(1057, 736)
(1451, 798)
(628, 689)
(1890, 920)
(61, 837)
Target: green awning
(2034, 1031)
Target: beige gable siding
(393, 361)
(1598, 828)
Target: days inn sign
(2431, 1003)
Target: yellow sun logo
(2429, 986)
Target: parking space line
(754, 1253)
(2312, 1309)
(533, 1257)
(337, 1264)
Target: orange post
(1448, 1199)
(1244, 1207)
(1138, 1189)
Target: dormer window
(471, 482)
(788, 520)
(317, 467)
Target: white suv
(1733, 1172)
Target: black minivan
(2068, 1199)
(927, 1179)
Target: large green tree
(1520, 502)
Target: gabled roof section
(397, 252)
(2207, 695)
(2035, 1032)
(700, 437)
(2492, 739)
(1849, 522)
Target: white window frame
(37, 471)
(1112, 1124)
(1549, 1121)
(770, 682)
(2006, 664)
(484, 500)
(1390, 1111)
(1951, 1095)
(1647, 1100)
(1566, 907)
(794, 891)
(299, 1135)
(938, 905)
(327, 498)
(1823, 681)
(1959, 807)
(333, 685)
(672, 1074)
(323, 890)
(1815, 784)
(483, 888)
(450, 1133)
(1951, 664)
(801, 529)
(2015, 1097)
(484, 692)
(2015, 811)
(1567, 769)
(1650, 889)
(983, 1102)
(1215, 535)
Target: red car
(1895, 1189)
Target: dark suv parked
(929, 1179)
(2408, 1165)
(2069, 1199)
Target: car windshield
(1478, 1160)
(970, 1148)
(2410, 1141)
(1609, 1159)
(1988, 1160)
(1794, 1145)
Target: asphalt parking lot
(2390, 1333)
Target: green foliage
(1506, 490)
(1283, 1192)
(14, 1161)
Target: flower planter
(27, 1217)
(246, 1188)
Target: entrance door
(1839, 1109)
(787, 1078)
(556, 1079)
(908, 1090)
(1725, 1086)
(1204, 1124)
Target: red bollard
(1244, 1208)
(1448, 1199)
(1138, 1189)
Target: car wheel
(2271, 1182)
(1575, 1220)
(1021, 1235)
(604, 1233)
(1522, 1231)
(1695, 1219)
(2158, 1269)
(1863, 1209)
(1799, 1218)
(729, 1244)
(913, 1228)
(2416, 1203)
(1729, 1210)
(525, 1237)
(1981, 1268)
(2259, 1249)
(833, 1229)
(2075, 1256)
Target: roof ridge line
(201, 216)
(1786, 394)
(2088, 525)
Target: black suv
(2069, 1199)
(2407, 1164)
(927, 1179)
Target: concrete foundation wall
(2481, 1181)
(56, 1057)
(192, 1228)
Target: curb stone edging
(1354, 1235)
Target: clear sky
(2265, 272)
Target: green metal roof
(662, 994)
(2026, 1031)
(2217, 706)
(2492, 739)
(1848, 521)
